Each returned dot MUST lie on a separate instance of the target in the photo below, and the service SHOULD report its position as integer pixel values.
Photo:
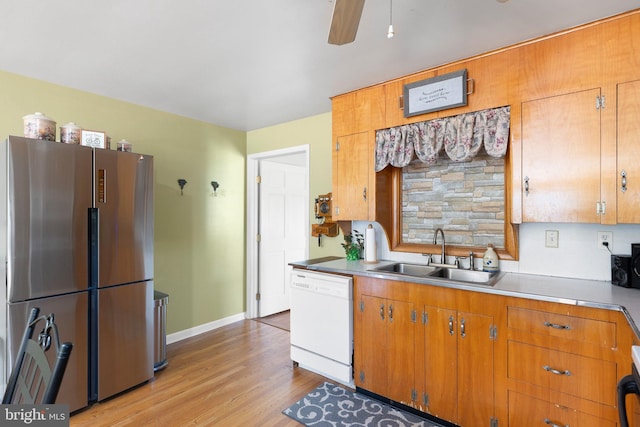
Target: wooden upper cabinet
(491, 83)
(355, 117)
(492, 80)
(351, 169)
(358, 111)
(561, 64)
(561, 158)
(621, 49)
(628, 173)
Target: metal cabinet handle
(462, 328)
(623, 182)
(556, 371)
(382, 311)
(390, 313)
(364, 194)
(552, 424)
(557, 326)
(473, 86)
(451, 325)
(526, 185)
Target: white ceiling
(247, 64)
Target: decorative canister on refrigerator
(39, 126)
(70, 133)
(124, 145)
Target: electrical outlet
(605, 237)
(551, 238)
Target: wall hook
(215, 185)
(182, 183)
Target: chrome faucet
(435, 241)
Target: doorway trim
(253, 203)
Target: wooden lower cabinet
(564, 363)
(436, 359)
(584, 377)
(458, 361)
(476, 359)
(386, 347)
(525, 411)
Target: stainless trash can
(160, 314)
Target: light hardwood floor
(238, 375)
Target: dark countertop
(587, 293)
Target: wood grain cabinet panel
(351, 169)
(561, 158)
(476, 397)
(525, 411)
(566, 327)
(628, 173)
(441, 363)
(385, 364)
(580, 376)
(459, 360)
(355, 117)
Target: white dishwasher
(322, 324)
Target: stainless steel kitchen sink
(417, 270)
(472, 276)
(449, 274)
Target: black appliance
(628, 385)
(635, 265)
(621, 270)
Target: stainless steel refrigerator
(76, 234)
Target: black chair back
(32, 380)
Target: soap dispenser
(490, 260)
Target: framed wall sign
(435, 94)
(92, 138)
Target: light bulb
(390, 33)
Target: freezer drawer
(72, 318)
(125, 337)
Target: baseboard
(200, 329)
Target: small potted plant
(353, 245)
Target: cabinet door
(441, 355)
(475, 370)
(629, 152)
(352, 163)
(561, 158)
(400, 350)
(371, 360)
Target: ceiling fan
(345, 21)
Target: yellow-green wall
(199, 237)
(316, 132)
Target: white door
(283, 229)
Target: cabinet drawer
(579, 376)
(573, 328)
(531, 412)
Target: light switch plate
(551, 238)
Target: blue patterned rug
(331, 405)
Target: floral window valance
(461, 136)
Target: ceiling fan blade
(345, 21)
